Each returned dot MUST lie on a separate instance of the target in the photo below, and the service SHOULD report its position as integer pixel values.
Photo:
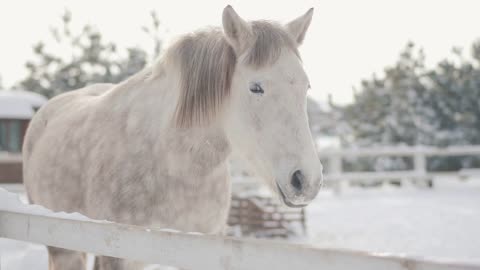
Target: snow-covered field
(443, 223)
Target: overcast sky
(347, 41)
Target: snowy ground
(443, 223)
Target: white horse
(152, 150)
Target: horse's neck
(196, 152)
(146, 106)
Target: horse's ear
(237, 31)
(298, 27)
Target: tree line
(409, 104)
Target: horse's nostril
(297, 180)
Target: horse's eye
(256, 88)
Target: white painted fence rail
(335, 174)
(188, 251)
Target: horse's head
(266, 117)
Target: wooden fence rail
(192, 251)
(188, 250)
(336, 176)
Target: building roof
(19, 104)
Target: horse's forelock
(207, 63)
(270, 40)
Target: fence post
(335, 170)
(420, 164)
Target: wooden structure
(189, 250)
(10, 168)
(264, 217)
(17, 107)
(336, 177)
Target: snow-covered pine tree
(88, 59)
(411, 105)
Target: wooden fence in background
(337, 177)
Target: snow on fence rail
(186, 250)
(336, 175)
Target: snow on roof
(19, 104)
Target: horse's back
(49, 143)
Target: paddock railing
(336, 176)
(189, 250)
